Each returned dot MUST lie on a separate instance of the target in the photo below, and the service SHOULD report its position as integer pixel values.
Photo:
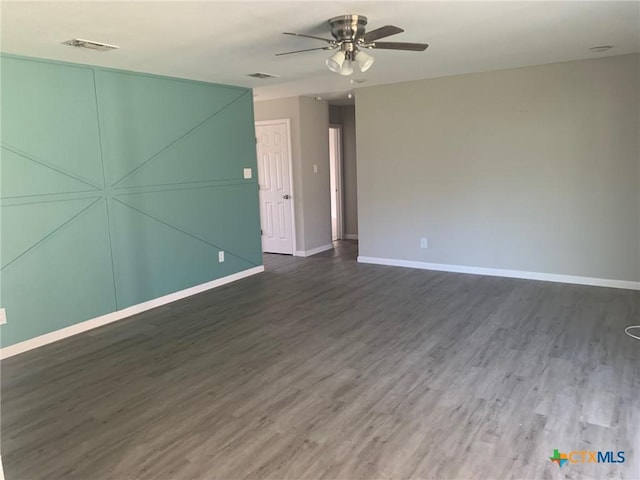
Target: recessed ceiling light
(318, 98)
(601, 48)
(262, 75)
(90, 44)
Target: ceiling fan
(350, 36)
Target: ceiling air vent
(262, 76)
(91, 45)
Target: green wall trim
(117, 188)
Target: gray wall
(314, 134)
(309, 145)
(335, 115)
(534, 169)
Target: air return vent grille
(91, 45)
(262, 76)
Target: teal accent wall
(117, 188)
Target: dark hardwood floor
(322, 368)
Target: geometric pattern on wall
(49, 114)
(188, 159)
(66, 277)
(36, 222)
(126, 189)
(211, 226)
(141, 116)
(31, 177)
(148, 264)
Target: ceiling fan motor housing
(348, 28)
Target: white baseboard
(497, 272)
(313, 251)
(51, 337)
(350, 236)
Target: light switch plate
(220, 257)
(3, 316)
(248, 173)
(315, 168)
(424, 243)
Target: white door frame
(339, 184)
(287, 123)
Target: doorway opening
(335, 181)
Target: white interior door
(274, 179)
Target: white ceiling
(222, 42)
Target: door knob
(286, 197)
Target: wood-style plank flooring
(322, 368)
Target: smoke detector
(90, 44)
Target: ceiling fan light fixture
(349, 36)
(336, 61)
(347, 68)
(364, 60)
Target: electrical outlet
(220, 257)
(3, 316)
(248, 173)
(424, 243)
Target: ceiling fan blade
(381, 32)
(414, 47)
(305, 50)
(308, 36)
